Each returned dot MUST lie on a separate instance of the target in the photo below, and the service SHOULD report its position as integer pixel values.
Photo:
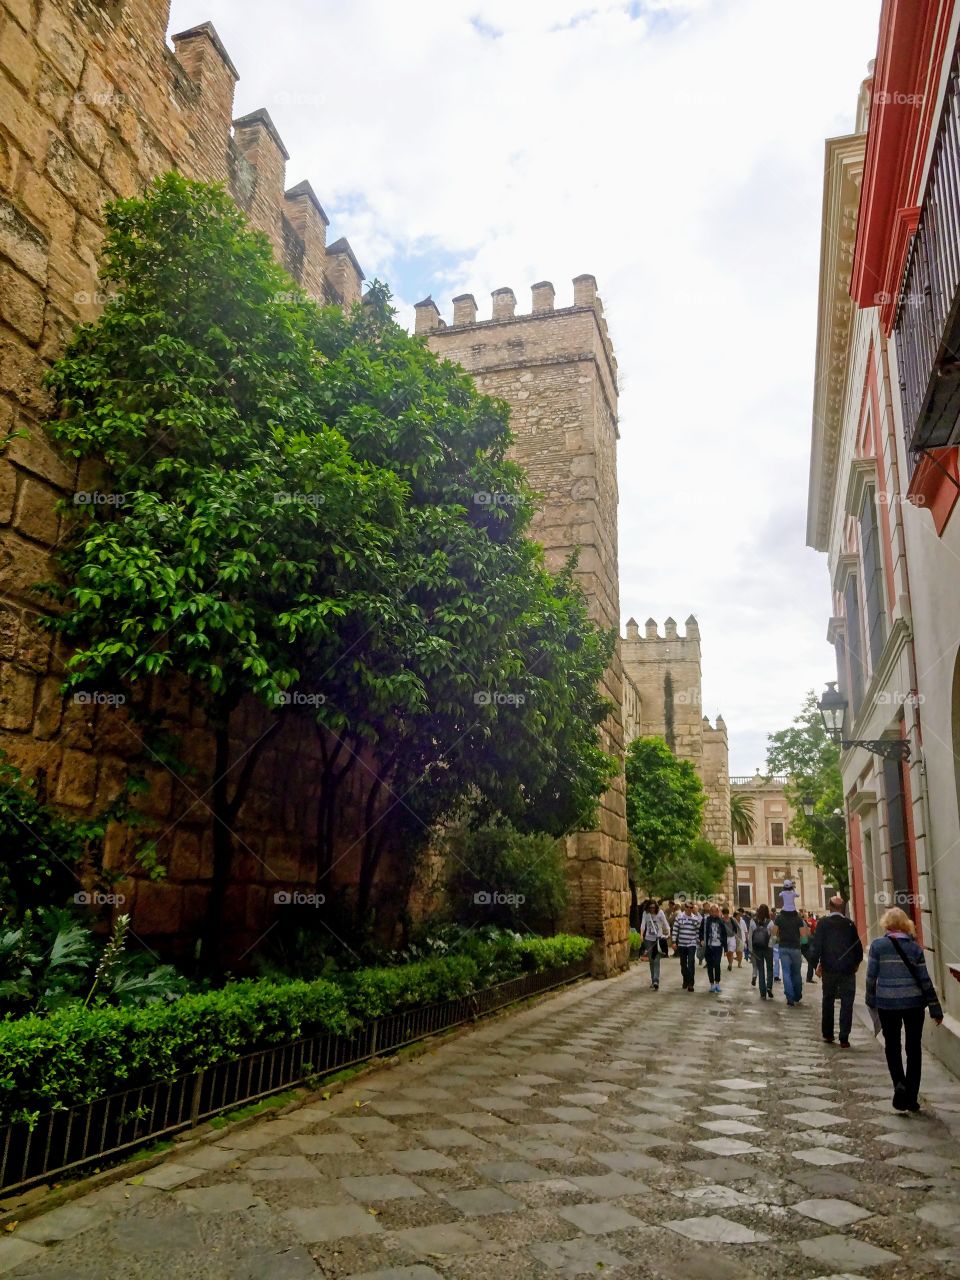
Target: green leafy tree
(501, 876)
(811, 759)
(742, 818)
(293, 518)
(697, 872)
(665, 803)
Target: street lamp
(833, 707)
(808, 805)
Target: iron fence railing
(64, 1141)
(927, 307)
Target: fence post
(373, 1037)
(195, 1100)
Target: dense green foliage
(43, 851)
(811, 760)
(53, 959)
(497, 875)
(665, 802)
(696, 872)
(78, 1053)
(302, 511)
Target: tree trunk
(225, 809)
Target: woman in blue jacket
(899, 990)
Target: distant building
(662, 698)
(770, 856)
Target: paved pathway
(610, 1128)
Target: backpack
(761, 938)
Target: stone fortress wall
(556, 369)
(665, 670)
(93, 105)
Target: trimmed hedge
(79, 1054)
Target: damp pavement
(607, 1129)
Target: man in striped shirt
(686, 935)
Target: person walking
(899, 990)
(713, 936)
(761, 948)
(741, 936)
(836, 952)
(653, 929)
(685, 934)
(789, 930)
(730, 937)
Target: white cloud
(675, 150)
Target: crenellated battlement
(670, 635)
(503, 310)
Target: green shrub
(636, 944)
(78, 1054)
(498, 875)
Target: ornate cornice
(843, 171)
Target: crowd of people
(779, 944)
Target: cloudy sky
(673, 148)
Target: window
(898, 833)
(851, 607)
(744, 895)
(776, 833)
(872, 577)
(742, 838)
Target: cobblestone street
(609, 1128)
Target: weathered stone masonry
(92, 106)
(557, 371)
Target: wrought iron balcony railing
(927, 326)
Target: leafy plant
(298, 485)
(78, 1053)
(498, 875)
(742, 817)
(665, 803)
(698, 872)
(811, 759)
(51, 961)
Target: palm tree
(741, 818)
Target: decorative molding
(861, 476)
(836, 629)
(861, 802)
(843, 171)
(848, 563)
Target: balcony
(927, 327)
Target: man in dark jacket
(837, 951)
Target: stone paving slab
(548, 1144)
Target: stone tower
(556, 369)
(665, 671)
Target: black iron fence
(64, 1141)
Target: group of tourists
(776, 944)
